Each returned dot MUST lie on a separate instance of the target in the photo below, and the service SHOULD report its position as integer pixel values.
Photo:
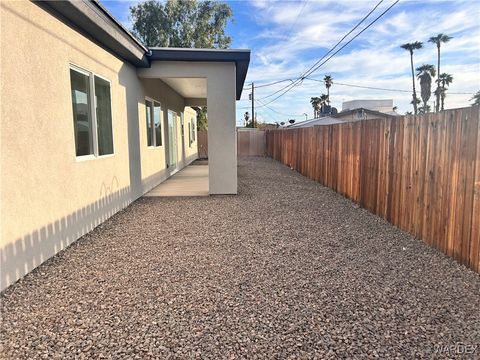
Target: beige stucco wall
(153, 157)
(49, 198)
(157, 90)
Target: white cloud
(374, 59)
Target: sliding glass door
(172, 141)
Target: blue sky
(287, 37)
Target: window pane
(104, 116)
(82, 119)
(148, 111)
(189, 135)
(157, 116)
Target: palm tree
(445, 81)
(411, 47)
(416, 103)
(438, 40)
(440, 91)
(425, 74)
(328, 80)
(424, 109)
(323, 102)
(246, 116)
(476, 98)
(316, 102)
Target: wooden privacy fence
(249, 143)
(420, 173)
(202, 144)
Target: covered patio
(213, 78)
(190, 181)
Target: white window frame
(93, 110)
(154, 139)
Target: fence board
(474, 252)
(249, 143)
(421, 173)
(202, 144)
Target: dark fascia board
(91, 18)
(241, 58)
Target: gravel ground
(286, 269)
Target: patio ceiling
(188, 87)
(241, 58)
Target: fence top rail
(399, 118)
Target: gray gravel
(286, 269)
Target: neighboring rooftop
(326, 120)
(363, 113)
(382, 105)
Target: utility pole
(253, 105)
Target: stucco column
(222, 139)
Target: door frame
(172, 144)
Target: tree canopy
(182, 23)
(425, 74)
(202, 121)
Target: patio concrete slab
(190, 181)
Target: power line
(314, 67)
(296, 19)
(308, 72)
(352, 85)
(336, 52)
(378, 88)
(276, 111)
(267, 117)
(461, 93)
(271, 109)
(269, 84)
(360, 86)
(289, 33)
(357, 35)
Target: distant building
(353, 110)
(381, 105)
(363, 114)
